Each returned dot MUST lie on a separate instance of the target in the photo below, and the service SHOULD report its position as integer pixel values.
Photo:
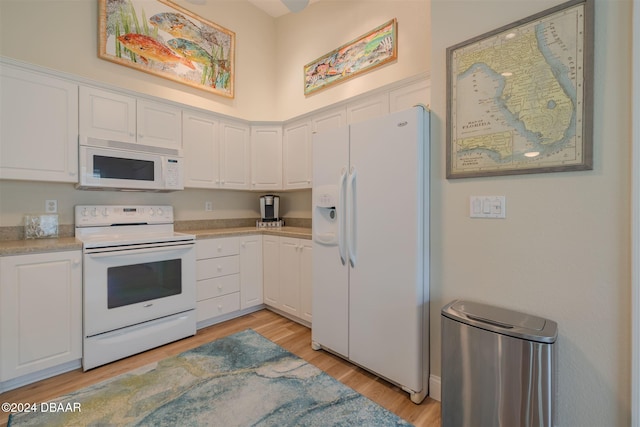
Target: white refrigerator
(371, 246)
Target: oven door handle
(113, 251)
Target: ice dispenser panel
(325, 215)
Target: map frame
(573, 152)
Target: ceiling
(274, 8)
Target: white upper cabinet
(368, 108)
(410, 95)
(159, 124)
(235, 160)
(330, 119)
(114, 116)
(266, 157)
(201, 143)
(107, 115)
(38, 127)
(296, 155)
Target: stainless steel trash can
(497, 367)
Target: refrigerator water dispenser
(325, 216)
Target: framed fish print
(161, 38)
(369, 51)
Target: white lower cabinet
(250, 271)
(306, 293)
(287, 275)
(217, 277)
(271, 270)
(40, 312)
(228, 276)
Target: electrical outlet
(51, 206)
(208, 206)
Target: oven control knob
(151, 212)
(85, 212)
(160, 211)
(94, 212)
(105, 212)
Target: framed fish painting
(371, 50)
(161, 38)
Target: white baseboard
(40, 375)
(219, 319)
(434, 388)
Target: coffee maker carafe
(269, 207)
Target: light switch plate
(487, 207)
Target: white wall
(270, 55)
(635, 221)
(329, 24)
(563, 250)
(63, 35)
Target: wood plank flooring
(290, 335)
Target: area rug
(240, 380)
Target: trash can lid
(502, 321)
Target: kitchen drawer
(216, 267)
(218, 286)
(222, 246)
(218, 306)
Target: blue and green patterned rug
(240, 380)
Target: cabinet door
(296, 155)
(159, 124)
(107, 115)
(306, 291)
(328, 120)
(290, 276)
(250, 271)
(271, 270)
(411, 95)
(40, 312)
(38, 127)
(266, 157)
(235, 170)
(368, 108)
(200, 138)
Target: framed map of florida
(519, 99)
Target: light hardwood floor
(290, 335)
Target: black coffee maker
(269, 207)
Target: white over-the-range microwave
(115, 165)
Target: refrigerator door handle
(351, 195)
(341, 215)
